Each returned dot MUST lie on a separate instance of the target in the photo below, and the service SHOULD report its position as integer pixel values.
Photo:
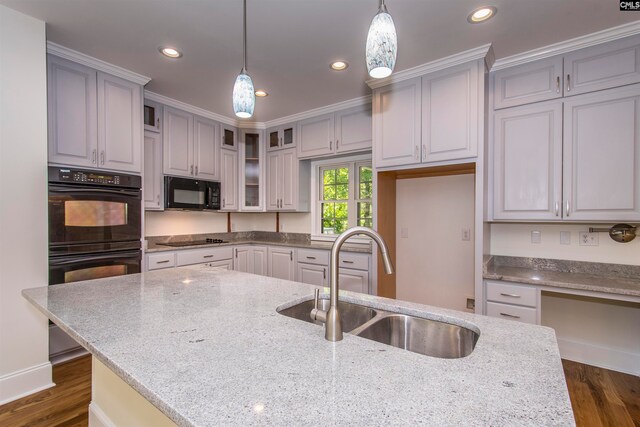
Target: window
(344, 197)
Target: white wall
(262, 221)
(184, 222)
(24, 339)
(299, 222)
(515, 240)
(434, 265)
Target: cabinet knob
(337, 143)
(415, 154)
(330, 145)
(94, 157)
(568, 83)
(191, 169)
(557, 208)
(558, 84)
(568, 208)
(102, 157)
(196, 170)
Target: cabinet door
(177, 142)
(354, 129)
(119, 123)
(312, 274)
(229, 137)
(282, 263)
(603, 66)
(251, 175)
(259, 260)
(602, 156)
(274, 139)
(316, 136)
(288, 135)
(527, 157)
(527, 83)
(229, 182)
(73, 116)
(397, 123)
(226, 264)
(206, 150)
(152, 173)
(354, 280)
(152, 111)
(450, 114)
(290, 183)
(242, 259)
(274, 184)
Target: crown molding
(165, 100)
(607, 35)
(481, 52)
(98, 64)
(332, 108)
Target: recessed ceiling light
(261, 93)
(339, 65)
(482, 14)
(170, 52)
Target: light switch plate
(565, 237)
(466, 234)
(536, 237)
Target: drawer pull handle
(163, 262)
(509, 295)
(311, 257)
(510, 315)
(208, 256)
(347, 262)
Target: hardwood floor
(600, 398)
(65, 405)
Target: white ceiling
(292, 42)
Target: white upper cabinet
(178, 142)
(285, 183)
(527, 162)
(353, 129)
(274, 181)
(397, 121)
(205, 149)
(152, 172)
(316, 136)
(603, 66)
(251, 170)
(602, 155)
(531, 82)
(95, 119)
(152, 116)
(229, 181)
(290, 181)
(119, 124)
(450, 114)
(228, 137)
(281, 137)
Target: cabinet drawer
(355, 261)
(197, 256)
(512, 294)
(161, 260)
(512, 312)
(313, 256)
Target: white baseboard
(97, 417)
(27, 381)
(602, 357)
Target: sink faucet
(331, 318)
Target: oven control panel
(80, 176)
(96, 178)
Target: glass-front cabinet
(252, 173)
(281, 137)
(228, 137)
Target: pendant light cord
(383, 7)
(244, 37)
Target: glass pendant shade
(382, 45)
(244, 98)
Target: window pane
(365, 174)
(341, 210)
(328, 210)
(365, 191)
(329, 192)
(342, 176)
(328, 226)
(329, 176)
(364, 210)
(341, 225)
(365, 222)
(342, 192)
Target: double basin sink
(424, 336)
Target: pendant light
(382, 44)
(244, 99)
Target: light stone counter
(207, 347)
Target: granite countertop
(205, 346)
(297, 240)
(585, 276)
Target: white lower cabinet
(313, 274)
(250, 259)
(354, 280)
(512, 301)
(226, 264)
(204, 255)
(282, 263)
(259, 261)
(160, 260)
(313, 268)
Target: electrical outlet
(233, 226)
(589, 239)
(536, 237)
(565, 237)
(471, 303)
(466, 234)
(281, 226)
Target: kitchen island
(207, 347)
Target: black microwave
(191, 194)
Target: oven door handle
(71, 260)
(131, 193)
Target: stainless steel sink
(428, 337)
(353, 315)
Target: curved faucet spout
(333, 325)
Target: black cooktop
(193, 243)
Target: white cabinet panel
(178, 142)
(290, 183)
(314, 256)
(312, 274)
(226, 264)
(397, 123)
(72, 109)
(259, 260)
(204, 255)
(603, 66)
(527, 155)
(229, 181)
(527, 83)
(353, 129)
(450, 114)
(119, 124)
(242, 259)
(602, 155)
(354, 280)
(159, 260)
(282, 263)
(285, 181)
(512, 312)
(511, 293)
(274, 166)
(228, 137)
(316, 136)
(206, 149)
(152, 176)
